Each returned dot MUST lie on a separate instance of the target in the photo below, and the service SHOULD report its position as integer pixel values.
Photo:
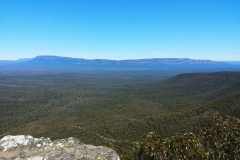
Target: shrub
(222, 141)
(185, 147)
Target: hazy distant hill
(233, 62)
(8, 62)
(76, 63)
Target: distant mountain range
(233, 62)
(57, 62)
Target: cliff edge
(24, 147)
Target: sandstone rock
(29, 148)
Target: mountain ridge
(57, 61)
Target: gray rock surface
(23, 147)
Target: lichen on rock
(23, 147)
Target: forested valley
(115, 108)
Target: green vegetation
(186, 146)
(116, 108)
(222, 141)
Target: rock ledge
(23, 147)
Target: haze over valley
(115, 103)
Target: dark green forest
(115, 108)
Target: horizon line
(117, 59)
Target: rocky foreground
(23, 147)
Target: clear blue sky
(120, 29)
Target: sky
(120, 29)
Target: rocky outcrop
(29, 148)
